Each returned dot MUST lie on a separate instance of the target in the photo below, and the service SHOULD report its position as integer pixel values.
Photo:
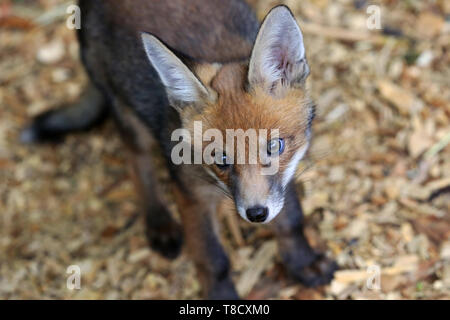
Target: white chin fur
(292, 166)
(274, 209)
(241, 212)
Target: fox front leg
(163, 233)
(211, 261)
(302, 262)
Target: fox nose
(257, 214)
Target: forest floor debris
(376, 188)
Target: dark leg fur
(301, 261)
(163, 233)
(53, 125)
(212, 264)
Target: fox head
(265, 92)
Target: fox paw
(319, 272)
(223, 291)
(166, 240)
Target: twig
(437, 147)
(263, 257)
(340, 33)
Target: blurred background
(376, 184)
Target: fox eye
(222, 161)
(275, 146)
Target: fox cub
(161, 66)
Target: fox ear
(278, 56)
(182, 86)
